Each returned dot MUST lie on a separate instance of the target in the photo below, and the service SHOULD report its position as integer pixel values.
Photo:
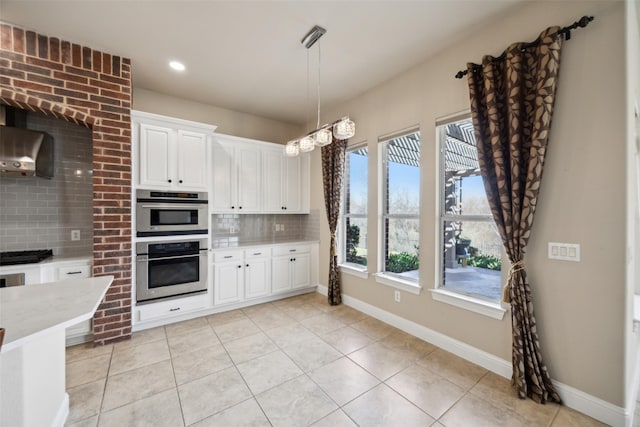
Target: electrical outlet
(75, 234)
(281, 227)
(396, 296)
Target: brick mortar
(85, 86)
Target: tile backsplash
(233, 229)
(39, 213)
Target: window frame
(475, 303)
(384, 277)
(345, 266)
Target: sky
(403, 180)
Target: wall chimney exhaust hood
(24, 152)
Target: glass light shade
(344, 129)
(322, 137)
(292, 148)
(306, 144)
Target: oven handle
(145, 258)
(172, 206)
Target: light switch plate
(564, 251)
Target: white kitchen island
(32, 358)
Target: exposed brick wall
(91, 88)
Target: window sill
(398, 283)
(354, 270)
(491, 309)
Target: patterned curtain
(511, 104)
(333, 156)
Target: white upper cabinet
(170, 153)
(192, 159)
(286, 181)
(236, 176)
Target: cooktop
(24, 257)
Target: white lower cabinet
(240, 275)
(79, 332)
(228, 276)
(291, 267)
(172, 307)
(259, 271)
(257, 275)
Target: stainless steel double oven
(176, 266)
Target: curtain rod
(566, 31)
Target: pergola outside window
(471, 248)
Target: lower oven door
(170, 276)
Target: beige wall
(229, 122)
(579, 306)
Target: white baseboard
(573, 398)
(63, 412)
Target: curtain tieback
(515, 267)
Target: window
(400, 206)
(471, 248)
(354, 219)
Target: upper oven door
(163, 219)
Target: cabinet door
(280, 268)
(76, 334)
(248, 161)
(273, 161)
(155, 154)
(301, 271)
(224, 179)
(292, 185)
(192, 160)
(228, 278)
(256, 277)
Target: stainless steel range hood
(24, 152)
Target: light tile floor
(294, 362)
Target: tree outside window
(400, 195)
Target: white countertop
(27, 312)
(56, 260)
(235, 243)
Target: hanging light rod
(313, 36)
(343, 128)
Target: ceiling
(247, 56)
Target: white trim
(459, 348)
(592, 406)
(573, 398)
(63, 412)
(140, 326)
(398, 283)
(632, 400)
(351, 269)
(452, 118)
(486, 308)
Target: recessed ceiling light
(178, 66)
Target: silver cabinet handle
(74, 272)
(292, 250)
(228, 256)
(258, 253)
(174, 309)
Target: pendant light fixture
(343, 128)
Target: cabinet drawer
(170, 308)
(226, 256)
(256, 253)
(291, 249)
(74, 272)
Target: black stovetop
(24, 257)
